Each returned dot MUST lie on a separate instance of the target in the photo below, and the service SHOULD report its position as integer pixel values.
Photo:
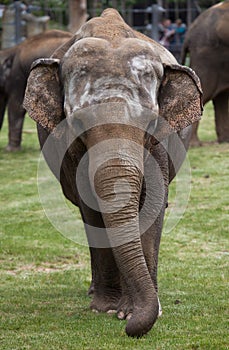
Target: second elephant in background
(207, 42)
(15, 66)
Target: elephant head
(113, 84)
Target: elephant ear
(43, 96)
(180, 100)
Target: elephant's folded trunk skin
(117, 186)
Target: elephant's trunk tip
(142, 321)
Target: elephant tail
(1, 120)
(2, 109)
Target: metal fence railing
(19, 22)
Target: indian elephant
(207, 42)
(97, 102)
(14, 70)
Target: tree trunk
(77, 14)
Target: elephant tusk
(160, 309)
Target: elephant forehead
(130, 46)
(223, 6)
(86, 47)
(86, 56)
(96, 56)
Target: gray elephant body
(15, 66)
(207, 42)
(95, 102)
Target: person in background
(166, 32)
(177, 39)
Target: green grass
(45, 277)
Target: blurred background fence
(20, 20)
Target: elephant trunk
(117, 183)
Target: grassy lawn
(44, 276)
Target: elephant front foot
(223, 139)
(105, 302)
(11, 148)
(125, 308)
(143, 317)
(195, 142)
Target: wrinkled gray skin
(207, 42)
(15, 66)
(108, 68)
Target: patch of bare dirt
(44, 268)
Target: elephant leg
(16, 114)
(105, 280)
(143, 306)
(150, 244)
(122, 225)
(125, 306)
(153, 209)
(221, 106)
(105, 286)
(150, 241)
(195, 141)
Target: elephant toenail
(111, 312)
(95, 311)
(121, 315)
(128, 317)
